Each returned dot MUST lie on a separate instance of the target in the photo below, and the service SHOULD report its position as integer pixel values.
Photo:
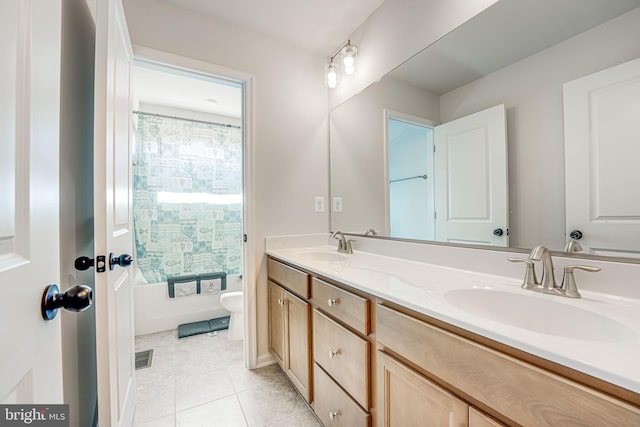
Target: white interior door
(30, 353)
(602, 148)
(113, 218)
(471, 182)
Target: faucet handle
(530, 280)
(569, 287)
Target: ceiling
(172, 89)
(320, 26)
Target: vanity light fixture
(348, 54)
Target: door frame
(196, 67)
(404, 117)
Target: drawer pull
(331, 302)
(333, 354)
(334, 414)
(280, 301)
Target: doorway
(194, 119)
(409, 142)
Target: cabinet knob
(333, 353)
(331, 302)
(334, 414)
(280, 301)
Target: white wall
(532, 92)
(290, 118)
(395, 32)
(76, 206)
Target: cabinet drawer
(517, 390)
(343, 305)
(333, 406)
(294, 280)
(344, 355)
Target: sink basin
(320, 255)
(543, 315)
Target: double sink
(597, 334)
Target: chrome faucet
(344, 245)
(548, 284)
(548, 280)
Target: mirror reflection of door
(471, 186)
(602, 147)
(410, 173)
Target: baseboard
(265, 359)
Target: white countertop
(598, 334)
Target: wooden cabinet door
(478, 419)
(298, 331)
(406, 398)
(277, 306)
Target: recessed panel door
(471, 182)
(113, 219)
(30, 353)
(602, 148)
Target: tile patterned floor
(201, 381)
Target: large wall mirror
(521, 127)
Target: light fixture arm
(339, 51)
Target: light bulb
(349, 59)
(331, 75)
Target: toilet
(234, 302)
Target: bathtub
(154, 311)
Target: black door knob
(76, 298)
(498, 232)
(123, 260)
(575, 234)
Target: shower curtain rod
(165, 116)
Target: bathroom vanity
(372, 340)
